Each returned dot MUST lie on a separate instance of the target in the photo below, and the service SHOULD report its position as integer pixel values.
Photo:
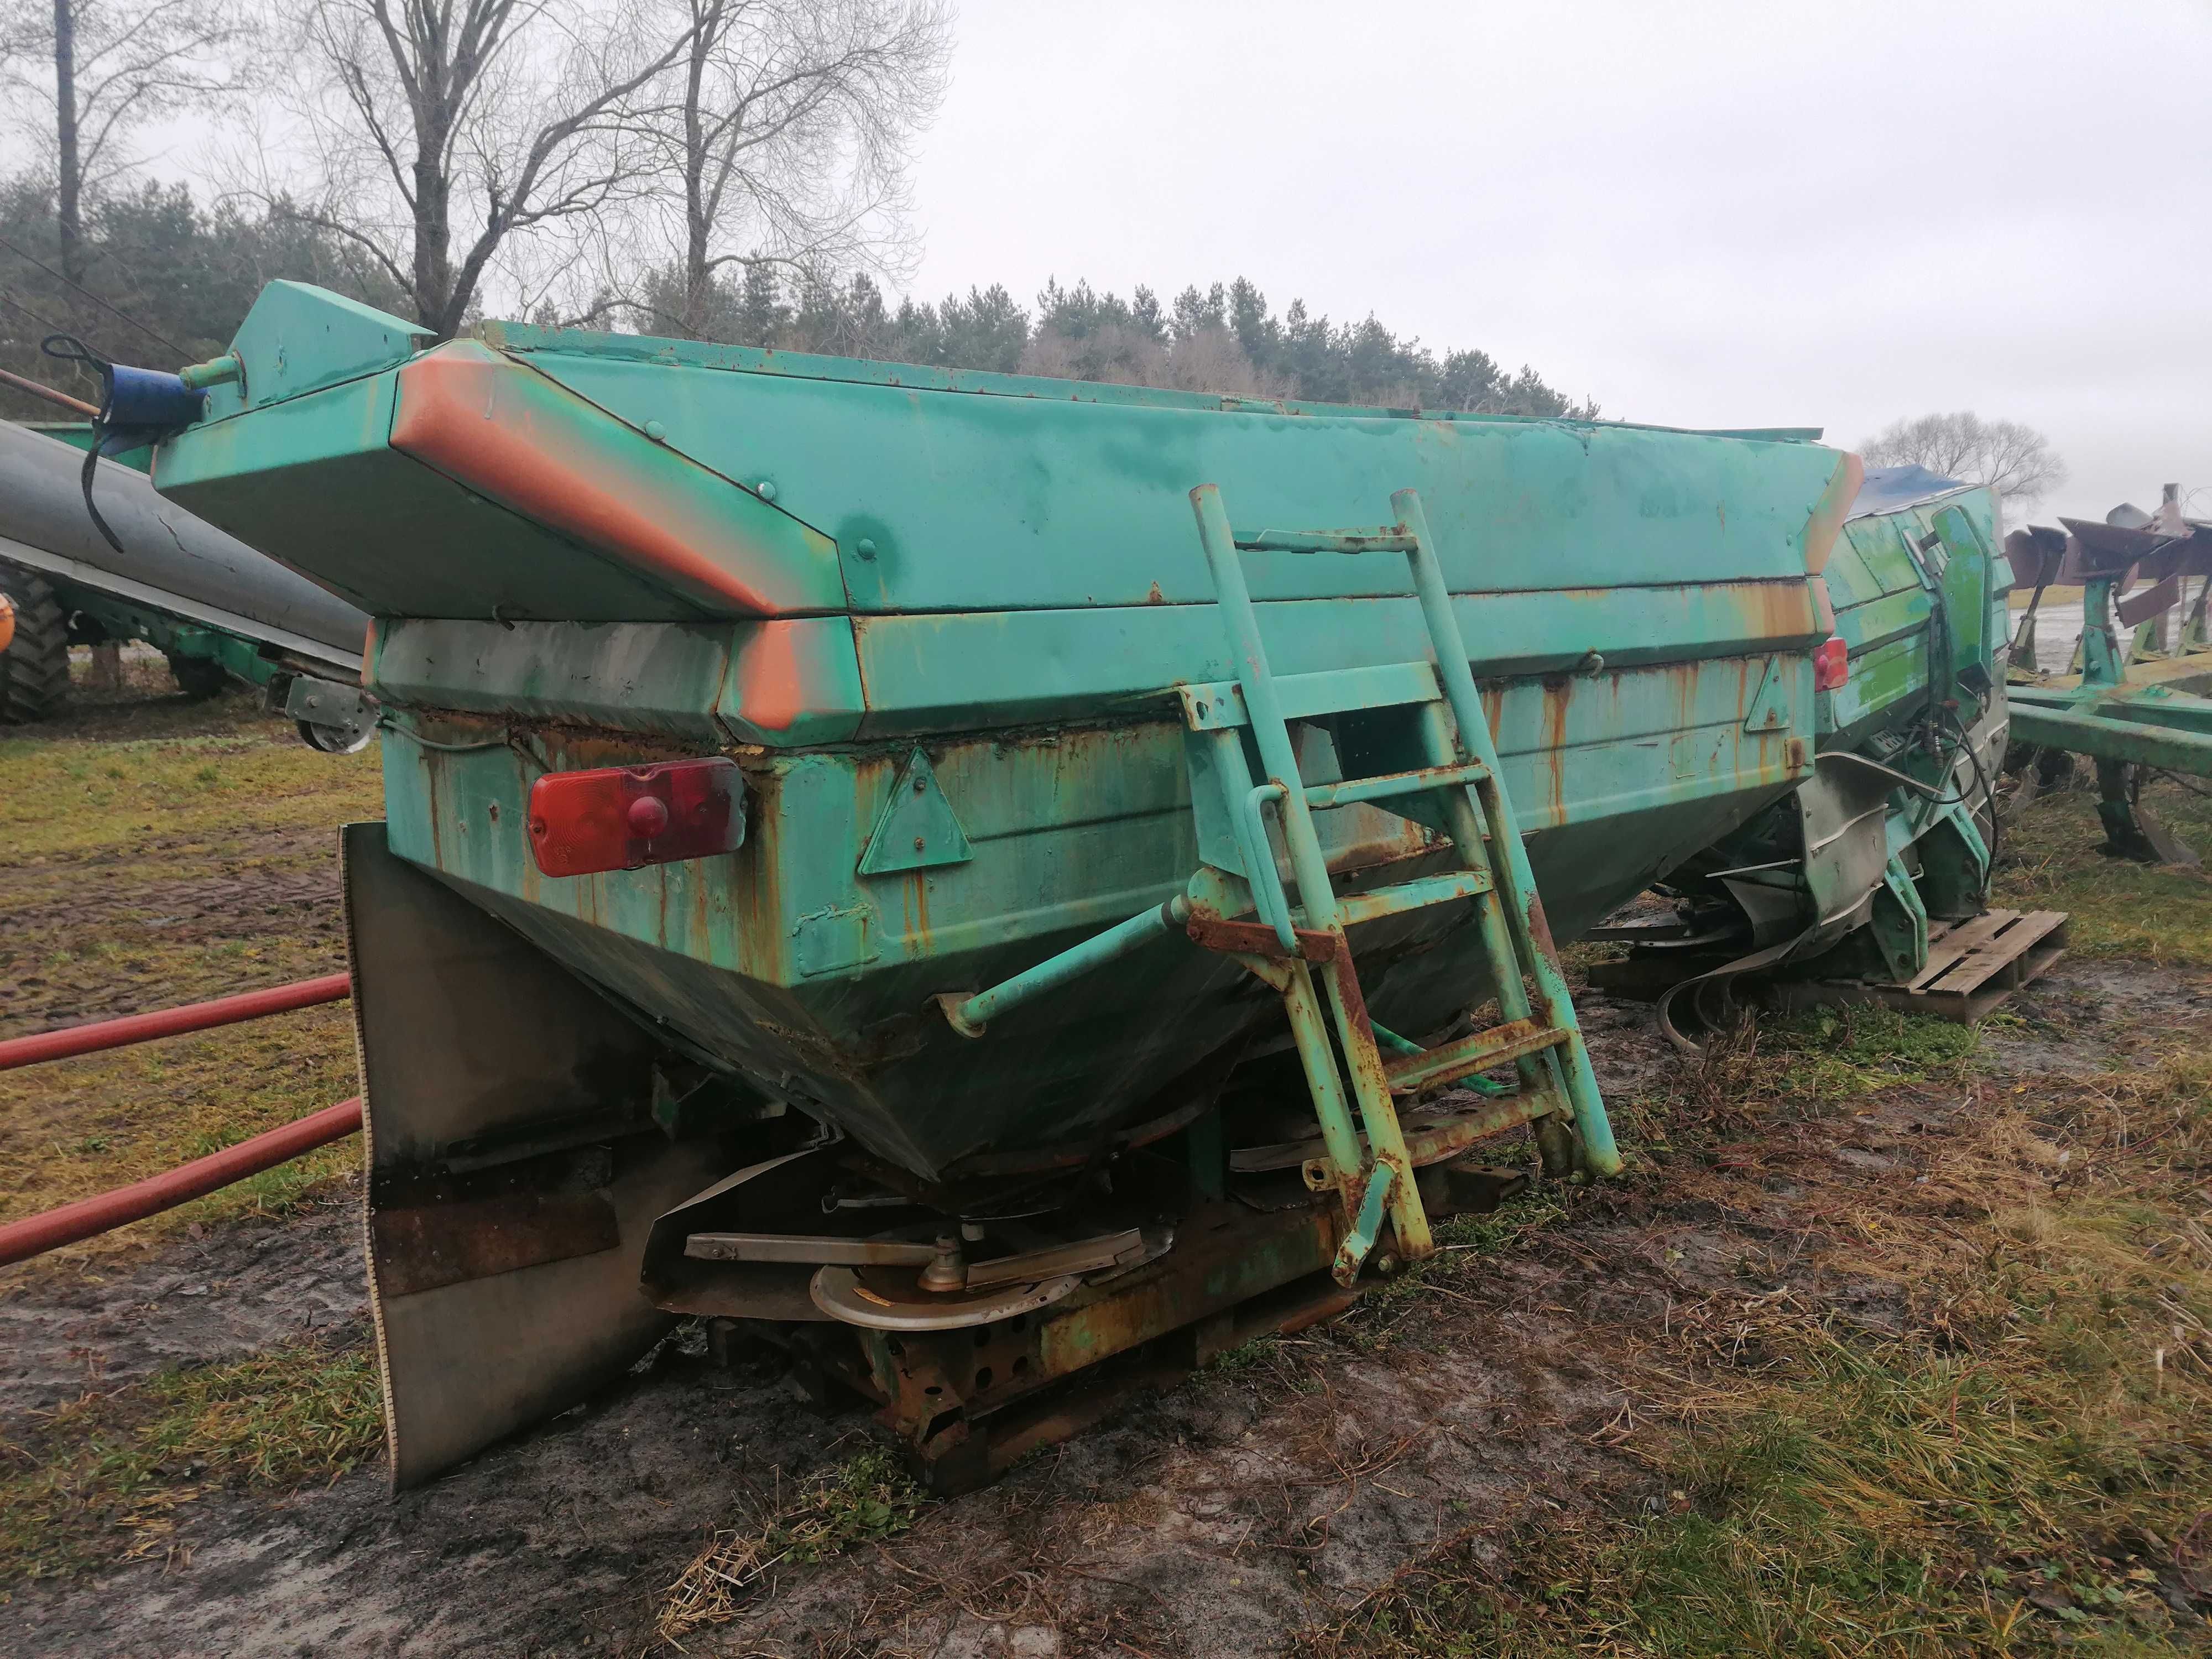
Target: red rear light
(1831, 665)
(623, 818)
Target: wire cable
(503, 741)
(95, 298)
(43, 322)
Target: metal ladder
(1407, 702)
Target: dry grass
(865, 1498)
(153, 853)
(2025, 1464)
(2120, 909)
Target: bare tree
(85, 74)
(445, 133)
(786, 136)
(2013, 459)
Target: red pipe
(103, 1212)
(172, 1022)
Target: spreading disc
(890, 1299)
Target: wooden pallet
(1973, 968)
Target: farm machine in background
(217, 610)
(991, 883)
(2132, 699)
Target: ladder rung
(1470, 1054)
(1384, 539)
(1388, 784)
(1429, 1141)
(1415, 895)
(1259, 939)
(1219, 704)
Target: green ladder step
(1439, 715)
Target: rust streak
(1493, 708)
(1347, 988)
(1256, 939)
(1558, 694)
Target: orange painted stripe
(517, 439)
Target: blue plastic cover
(1889, 488)
(147, 399)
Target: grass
(863, 1499)
(2026, 1468)
(153, 852)
(106, 1473)
(75, 1127)
(2119, 908)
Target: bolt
(917, 843)
(767, 489)
(1386, 1264)
(947, 1272)
(866, 548)
(658, 433)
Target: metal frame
(1462, 776)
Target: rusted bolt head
(947, 1271)
(1386, 1264)
(648, 815)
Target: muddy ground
(1220, 1518)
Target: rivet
(767, 489)
(658, 433)
(864, 549)
(917, 843)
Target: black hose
(78, 352)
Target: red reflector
(622, 818)
(1831, 665)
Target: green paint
(917, 829)
(1031, 596)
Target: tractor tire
(198, 677)
(34, 669)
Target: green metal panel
(974, 502)
(790, 958)
(315, 477)
(1014, 593)
(936, 672)
(662, 678)
(299, 338)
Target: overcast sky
(1701, 214)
